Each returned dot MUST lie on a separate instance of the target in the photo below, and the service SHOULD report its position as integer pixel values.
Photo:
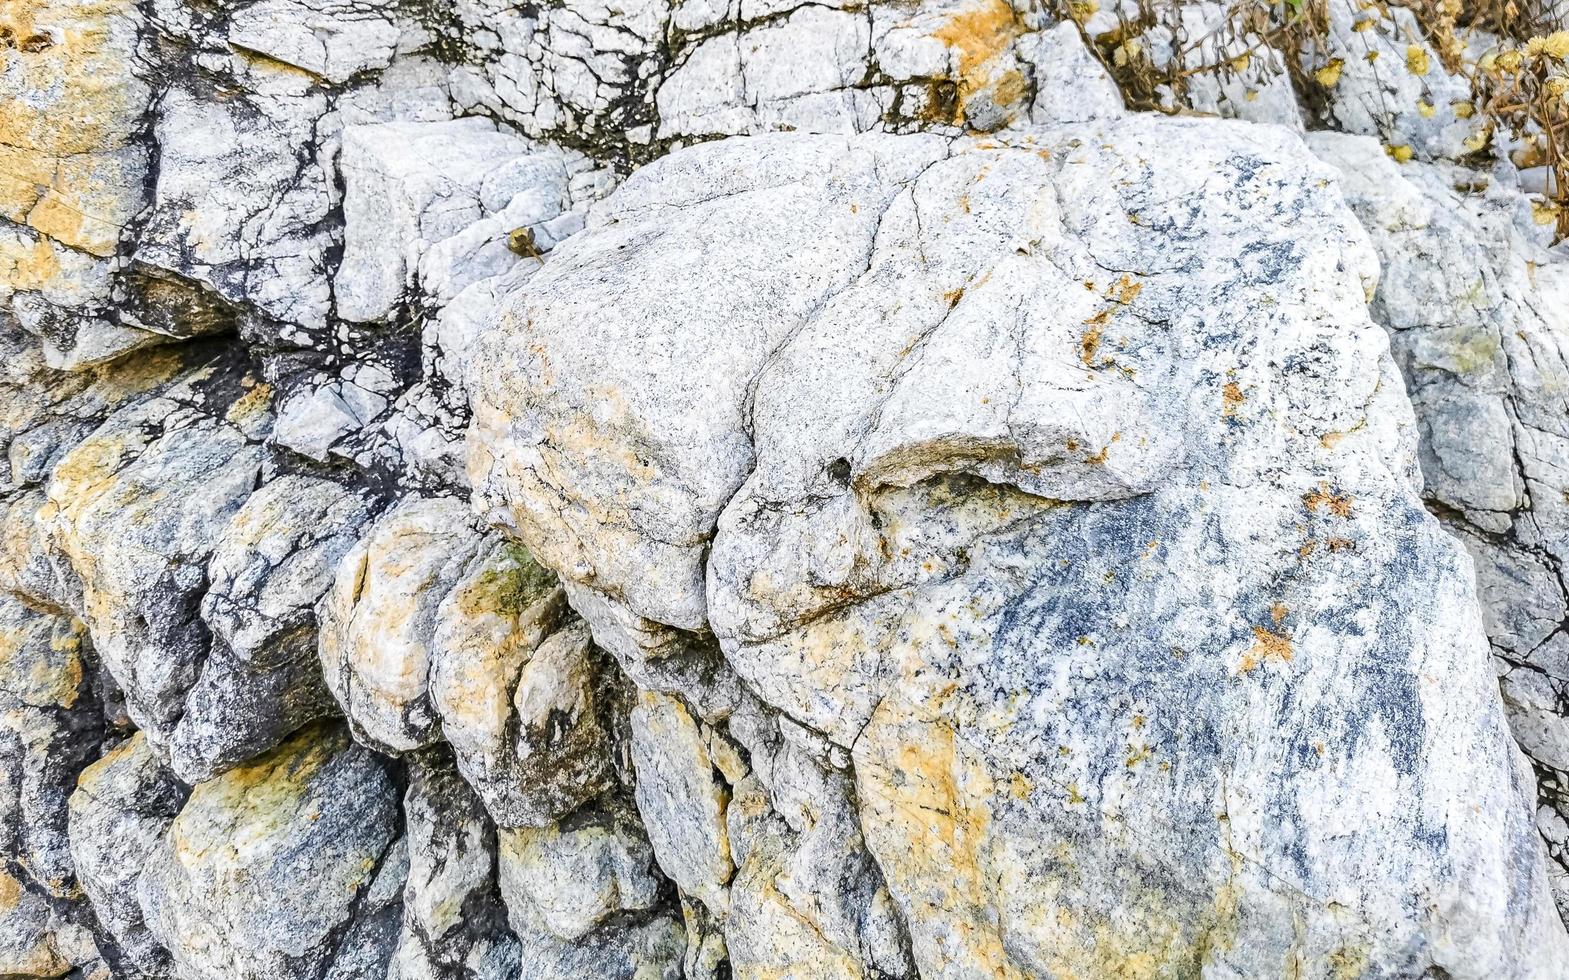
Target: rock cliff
(924, 489)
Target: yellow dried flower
(1416, 59)
(1329, 75)
(1400, 154)
(1554, 45)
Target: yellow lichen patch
(27, 265)
(1337, 504)
(23, 177)
(252, 404)
(1401, 153)
(1010, 88)
(981, 37)
(228, 820)
(87, 201)
(1267, 645)
(70, 169)
(1330, 440)
(79, 63)
(29, 951)
(1278, 612)
(42, 657)
(925, 803)
(1089, 342)
(1059, 919)
(1231, 399)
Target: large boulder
(286, 868)
(1063, 482)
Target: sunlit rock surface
(773, 490)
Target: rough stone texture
(1475, 307)
(378, 620)
(515, 686)
(583, 901)
(314, 819)
(766, 506)
(134, 512)
(274, 561)
(1100, 579)
(454, 924)
(121, 810)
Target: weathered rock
(331, 39)
(536, 417)
(68, 192)
(134, 512)
(1474, 302)
(434, 204)
(379, 619)
(454, 924)
(981, 551)
(314, 820)
(122, 807)
(273, 562)
(681, 801)
(240, 205)
(516, 686)
(574, 875)
(584, 900)
(49, 725)
(1072, 490)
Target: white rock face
(1066, 486)
(440, 200)
(1474, 305)
(745, 491)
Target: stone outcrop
(710, 490)
(1033, 491)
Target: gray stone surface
(315, 820)
(777, 490)
(998, 487)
